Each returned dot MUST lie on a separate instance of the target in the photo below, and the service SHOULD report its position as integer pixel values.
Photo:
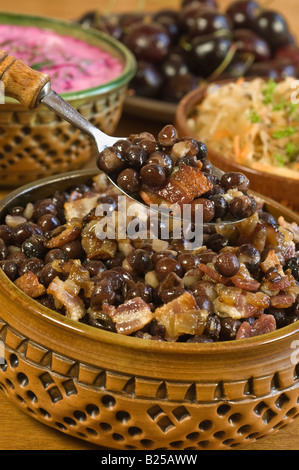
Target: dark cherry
(238, 67)
(107, 25)
(177, 87)
(249, 42)
(174, 65)
(209, 22)
(273, 27)
(290, 52)
(207, 53)
(148, 42)
(188, 14)
(168, 18)
(127, 20)
(276, 69)
(206, 3)
(148, 79)
(88, 18)
(243, 13)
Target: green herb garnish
(254, 117)
(39, 65)
(269, 90)
(280, 159)
(281, 133)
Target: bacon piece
(94, 247)
(78, 277)
(184, 185)
(173, 193)
(276, 286)
(262, 325)
(250, 285)
(74, 305)
(244, 281)
(30, 284)
(80, 207)
(131, 316)
(181, 316)
(283, 300)
(235, 303)
(271, 261)
(69, 233)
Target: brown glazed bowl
(35, 144)
(130, 393)
(279, 188)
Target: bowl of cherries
(177, 50)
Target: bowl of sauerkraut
(252, 126)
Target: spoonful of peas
(165, 170)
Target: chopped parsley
(253, 116)
(290, 149)
(280, 159)
(269, 90)
(281, 133)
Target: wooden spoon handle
(20, 81)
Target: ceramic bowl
(130, 393)
(277, 187)
(36, 144)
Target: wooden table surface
(19, 431)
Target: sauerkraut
(256, 123)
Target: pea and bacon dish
(242, 282)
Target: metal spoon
(32, 88)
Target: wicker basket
(36, 144)
(129, 393)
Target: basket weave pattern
(123, 411)
(36, 144)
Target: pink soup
(71, 63)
